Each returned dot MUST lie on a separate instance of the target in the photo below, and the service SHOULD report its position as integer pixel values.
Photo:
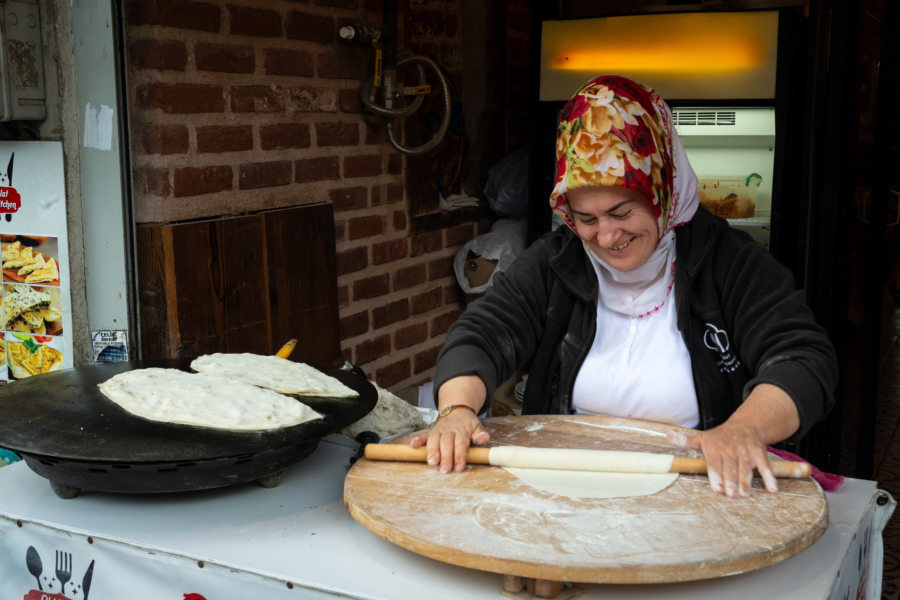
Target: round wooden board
(486, 519)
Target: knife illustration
(86, 581)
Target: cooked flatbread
(24, 257)
(11, 251)
(47, 272)
(24, 363)
(273, 373)
(175, 396)
(20, 299)
(36, 264)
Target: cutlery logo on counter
(717, 340)
(57, 579)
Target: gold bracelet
(449, 409)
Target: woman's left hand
(737, 446)
(732, 452)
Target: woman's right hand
(450, 436)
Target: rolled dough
(593, 484)
(586, 473)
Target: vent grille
(722, 118)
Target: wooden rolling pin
(577, 460)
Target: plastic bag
(506, 189)
(503, 243)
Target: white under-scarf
(643, 290)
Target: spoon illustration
(33, 560)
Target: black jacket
(741, 318)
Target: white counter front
(298, 541)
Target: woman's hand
(449, 438)
(737, 446)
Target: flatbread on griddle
(175, 396)
(273, 373)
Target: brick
(257, 98)
(304, 98)
(157, 54)
(393, 374)
(458, 235)
(371, 287)
(254, 21)
(395, 165)
(284, 135)
(440, 268)
(441, 323)
(265, 174)
(362, 165)
(394, 192)
(224, 138)
(285, 61)
(385, 252)
(316, 169)
(192, 181)
(426, 301)
(407, 277)
(426, 359)
(181, 97)
(351, 261)
(363, 227)
(343, 296)
(376, 133)
(410, 335)
(372, 349)
(337, 134)
(354, 325)
(309, 27)
(182, 14)
(340, 231)
(344, 199)
(153, 182)
(424, 243)
(165, 139)
(452, 294)
(349, 101)
(341, 66)
(224, 58)
(400, 220)
(393, 312)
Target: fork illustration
(63, 569)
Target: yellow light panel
(686, 55)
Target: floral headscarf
(615, 131)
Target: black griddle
(70, 433)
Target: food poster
(35, 303)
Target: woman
(645, 306)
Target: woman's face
(616, 223)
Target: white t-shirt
(639, 368)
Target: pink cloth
(828, 481)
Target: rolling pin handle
(404, 452)
(783, 469)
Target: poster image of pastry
(4, 370)
(29, 355)
(31, 309)
(30, 259)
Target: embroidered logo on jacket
(717, 340)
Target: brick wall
(245, 105)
